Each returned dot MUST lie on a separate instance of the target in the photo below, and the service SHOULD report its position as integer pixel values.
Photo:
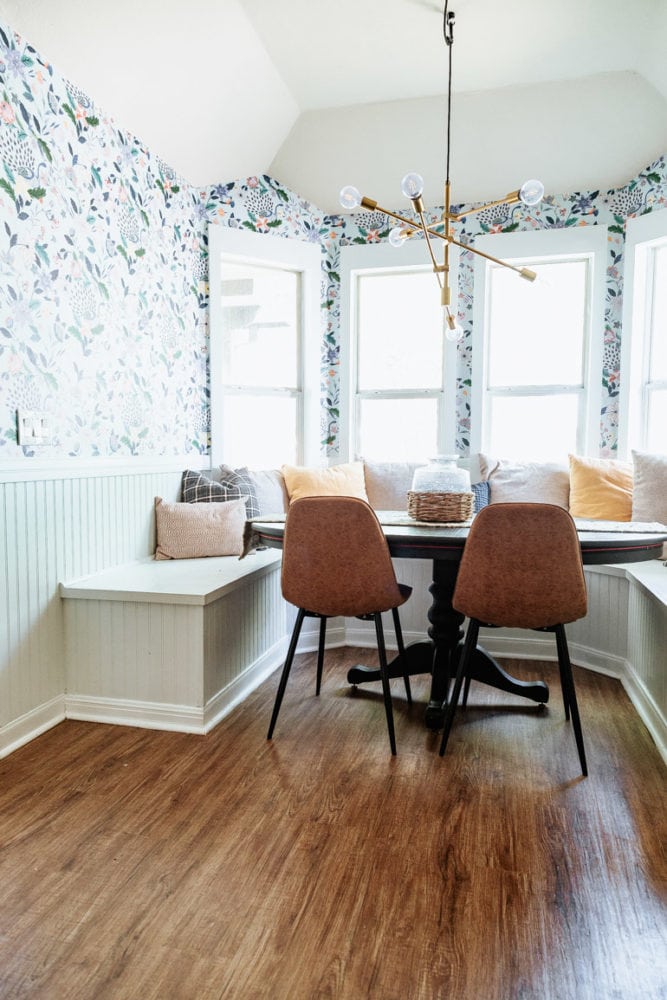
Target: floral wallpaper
(104, 267)
(103, 272)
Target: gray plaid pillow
(198, 488)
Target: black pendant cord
(448, 32)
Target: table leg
(439, 656)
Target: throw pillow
(649, 497)
(193, 530)
(199, 488)
(481, 494)
(338, 480)
(526, 482)
(269, 487)
(388, 484)
(237, 482)
(600, 489)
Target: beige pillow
(600, 489)
(388, 484)
(269, 486)
(526, 482)
(649, 497)
(336, 481)
(193, 530)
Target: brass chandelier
(530, 193)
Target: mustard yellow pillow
(336, 481)
(600, 489)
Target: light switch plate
(33, 427)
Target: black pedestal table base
(439, 656)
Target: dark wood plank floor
(139, 864)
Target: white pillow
(270, 489)
(388, 484)
(649, 494)
(526, 482)
(193, 530)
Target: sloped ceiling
(322, 93)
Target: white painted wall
(181, 77)
(593, 133)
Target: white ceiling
(222, 89)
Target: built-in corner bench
(172, 644)
(176, 644)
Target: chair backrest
(335, 558)
(522, 567)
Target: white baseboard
(24, 729)
(176, 718)
(145, 715)
(226, 700)
(646, 709)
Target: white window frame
(642, 236)
(525, 249)
(243, 246)
(382, 258)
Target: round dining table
(443, 545)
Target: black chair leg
(569, 693)
(401, 653)
(469, 647)
(286, 669)
(382, 653)
(320, 653)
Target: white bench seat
(172, 644)
(171, 581)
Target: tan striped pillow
(194, 530)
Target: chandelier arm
(436, 268)
(511, 199)
(523, 271)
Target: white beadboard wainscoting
(60, 521)
(174, 644)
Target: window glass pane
(400, 331)
(537, 428)
(657, 420)
(658, 349)
(398, 430)
(537, 328)
(260, 324)
(260, 431)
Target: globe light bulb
(531, 192)
(396, 237)
(350, 197)
(412, 186)
(453, 332)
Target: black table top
(437, 541)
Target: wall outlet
(34, 428)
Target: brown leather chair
(521, 568)
(336, 562)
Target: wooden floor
(138, 864)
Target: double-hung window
(536, 383)
(398, 370)
(265, 348)
(643, 414)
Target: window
(537, 345)
(643, 410)
(399, 368)
(265, 346)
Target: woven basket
(441, 507)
